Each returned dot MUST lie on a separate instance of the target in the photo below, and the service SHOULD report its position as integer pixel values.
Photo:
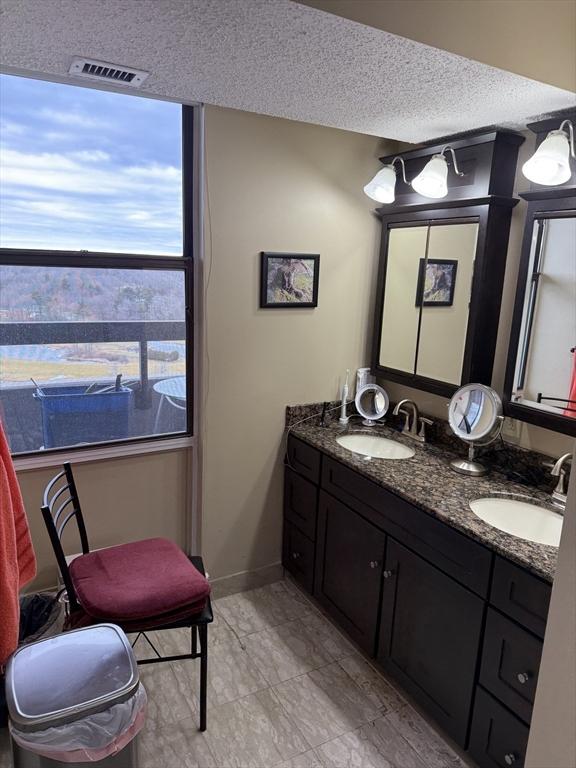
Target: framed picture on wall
(436, 282)
(289, 280)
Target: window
(93, 304)
(88, 170)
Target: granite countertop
(427, 481)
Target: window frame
(192, 137)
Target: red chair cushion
(140, 580)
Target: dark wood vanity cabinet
(300, 503)
(430, 630)
(349, 564)
(301, 479)
(512, 648)
(459, 628)
(498, 739)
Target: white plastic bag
(93, 737)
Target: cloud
(84, 200)
(90, 155)
(154, 171)
(77, 119)
(10, 128)
(85, 172)
(59, 209)
(73, 176)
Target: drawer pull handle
(388, 574)
(510, 758)
(373, 563)
(523, 677)
(295, 555)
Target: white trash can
(75, 698)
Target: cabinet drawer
(304, 459)
(300, 502)
(521, 595)
(452, 552)
(510, 664)
(298, 556)
(497, 739)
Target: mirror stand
(371, 403)
(475, 416)
(469, 466)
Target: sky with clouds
(82, 169)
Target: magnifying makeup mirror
(475, 416)
(371, 403)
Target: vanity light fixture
(550, 164)
(432, 181)
(381, 187)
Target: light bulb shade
(550, 164)
(432, 181)
(382, 186)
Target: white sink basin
(520, 518)
(375, 447)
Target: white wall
(552, 742)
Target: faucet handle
(406, 427)
(561, 484)
(423, 421)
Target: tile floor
(285, 689)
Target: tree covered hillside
(56, 294)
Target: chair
(141, 586)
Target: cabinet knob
(295, 555)
(523, 677)
(373, 563)
(510, 758)
(388, 574)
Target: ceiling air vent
(112, 73)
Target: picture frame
(289, 280)
(436, 282)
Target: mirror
(544, 377)
(428, 283)
(475, 416)
(371, 403)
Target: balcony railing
(22, 413)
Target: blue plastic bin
(69, 416)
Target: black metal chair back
(60, 505)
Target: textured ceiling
(277, 58)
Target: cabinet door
(430, 637)
(350, 554)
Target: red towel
(17, 559)
(570, 411)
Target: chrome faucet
(560, 493)
(414, 428)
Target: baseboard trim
(244, 580)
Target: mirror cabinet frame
(551, 204)
(483, 195)
(485, 297)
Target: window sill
(53, 459)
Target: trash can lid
(69, 676)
